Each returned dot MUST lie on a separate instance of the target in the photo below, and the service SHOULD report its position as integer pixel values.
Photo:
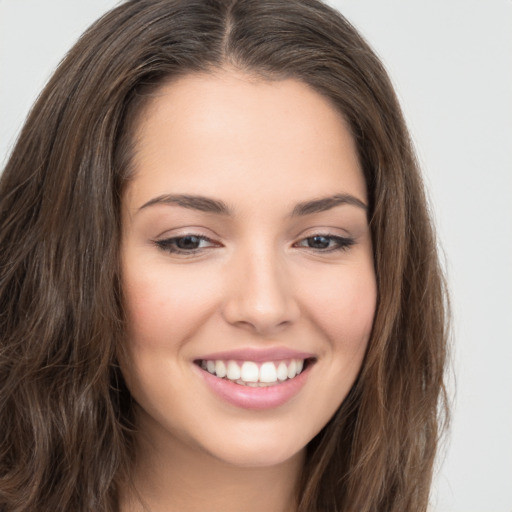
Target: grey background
(451, 62)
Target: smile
(250, 378)
(254, 374)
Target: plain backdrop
(451, 63)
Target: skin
(261, 148)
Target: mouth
(256, 374)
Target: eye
(187, 244)
(326, 243)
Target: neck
(173, 477)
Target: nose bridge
(260, 294)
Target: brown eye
(326, 243)
(188, 244)
(318, 242)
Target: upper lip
(257, 354)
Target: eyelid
(343, 242)
(180, 231)
(167, 244)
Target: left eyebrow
(326, 203)
(201, 203)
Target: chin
(258, 454)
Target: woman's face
(246, 256)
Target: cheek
(344, 311)
(162, 304)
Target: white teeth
(233, 371)
(268, 372)
(250, 372)
(282, 371)
(220, 369)
(292, 369)
(254, 374)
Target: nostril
(256, 314)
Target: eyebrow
(326, 203)
(208, 205)
(201, 203)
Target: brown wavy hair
(65, 414)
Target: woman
(219, 283)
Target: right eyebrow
(326, 203)
(200, 203)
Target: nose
(260, 296)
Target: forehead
(203, 131)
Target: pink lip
(247, 397)
(257, 355)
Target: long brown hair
(65, 414)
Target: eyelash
(170, 244)
(341, 243)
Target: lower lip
(247, 397)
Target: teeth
(292, 370)
(268, 372)
(253, 374)
(250, 372)
(282, 371)
(220, 369)
(233, 372)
